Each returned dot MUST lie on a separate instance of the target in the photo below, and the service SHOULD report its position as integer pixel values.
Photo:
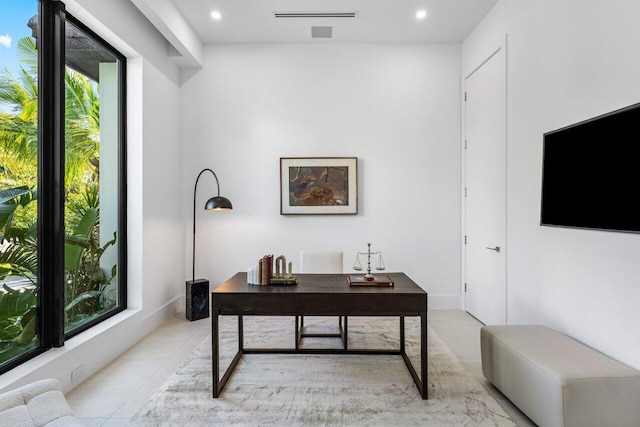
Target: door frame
(497, 48)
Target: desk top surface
(319, 284)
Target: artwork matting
(318, 185)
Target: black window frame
(52, 17)
(122, 183)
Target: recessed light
(216, 15)
(421, 14)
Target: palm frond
(19, 260)
(28, 54)
(11, 194)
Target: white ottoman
(37, 404)
(557, 381)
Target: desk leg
(419, 380)
(402, 337)
(215, 352)
(240, 334)
(345, 334)
(423, 353)
(219, 383)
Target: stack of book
(262, 274)
(291, 280)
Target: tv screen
(591, 173)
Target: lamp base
(197, 298)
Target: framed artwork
(318, 185)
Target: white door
(485, 172)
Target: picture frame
(318, 185)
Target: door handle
(497, 248)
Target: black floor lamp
(197, 291)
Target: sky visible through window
(14, 16)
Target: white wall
(396, 107)
(155, 238)
(567, 61)
(163, 238)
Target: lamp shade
(218, 203)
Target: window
(62, 180)
(93, 75)
(18, 181)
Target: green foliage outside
(89, 291)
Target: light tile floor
(461, 332)
(112, 397)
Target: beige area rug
(322, 390)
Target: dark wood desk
(319, 295)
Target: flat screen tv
(591, 173)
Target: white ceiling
(382, 21)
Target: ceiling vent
(321, 32)
(315, 14)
